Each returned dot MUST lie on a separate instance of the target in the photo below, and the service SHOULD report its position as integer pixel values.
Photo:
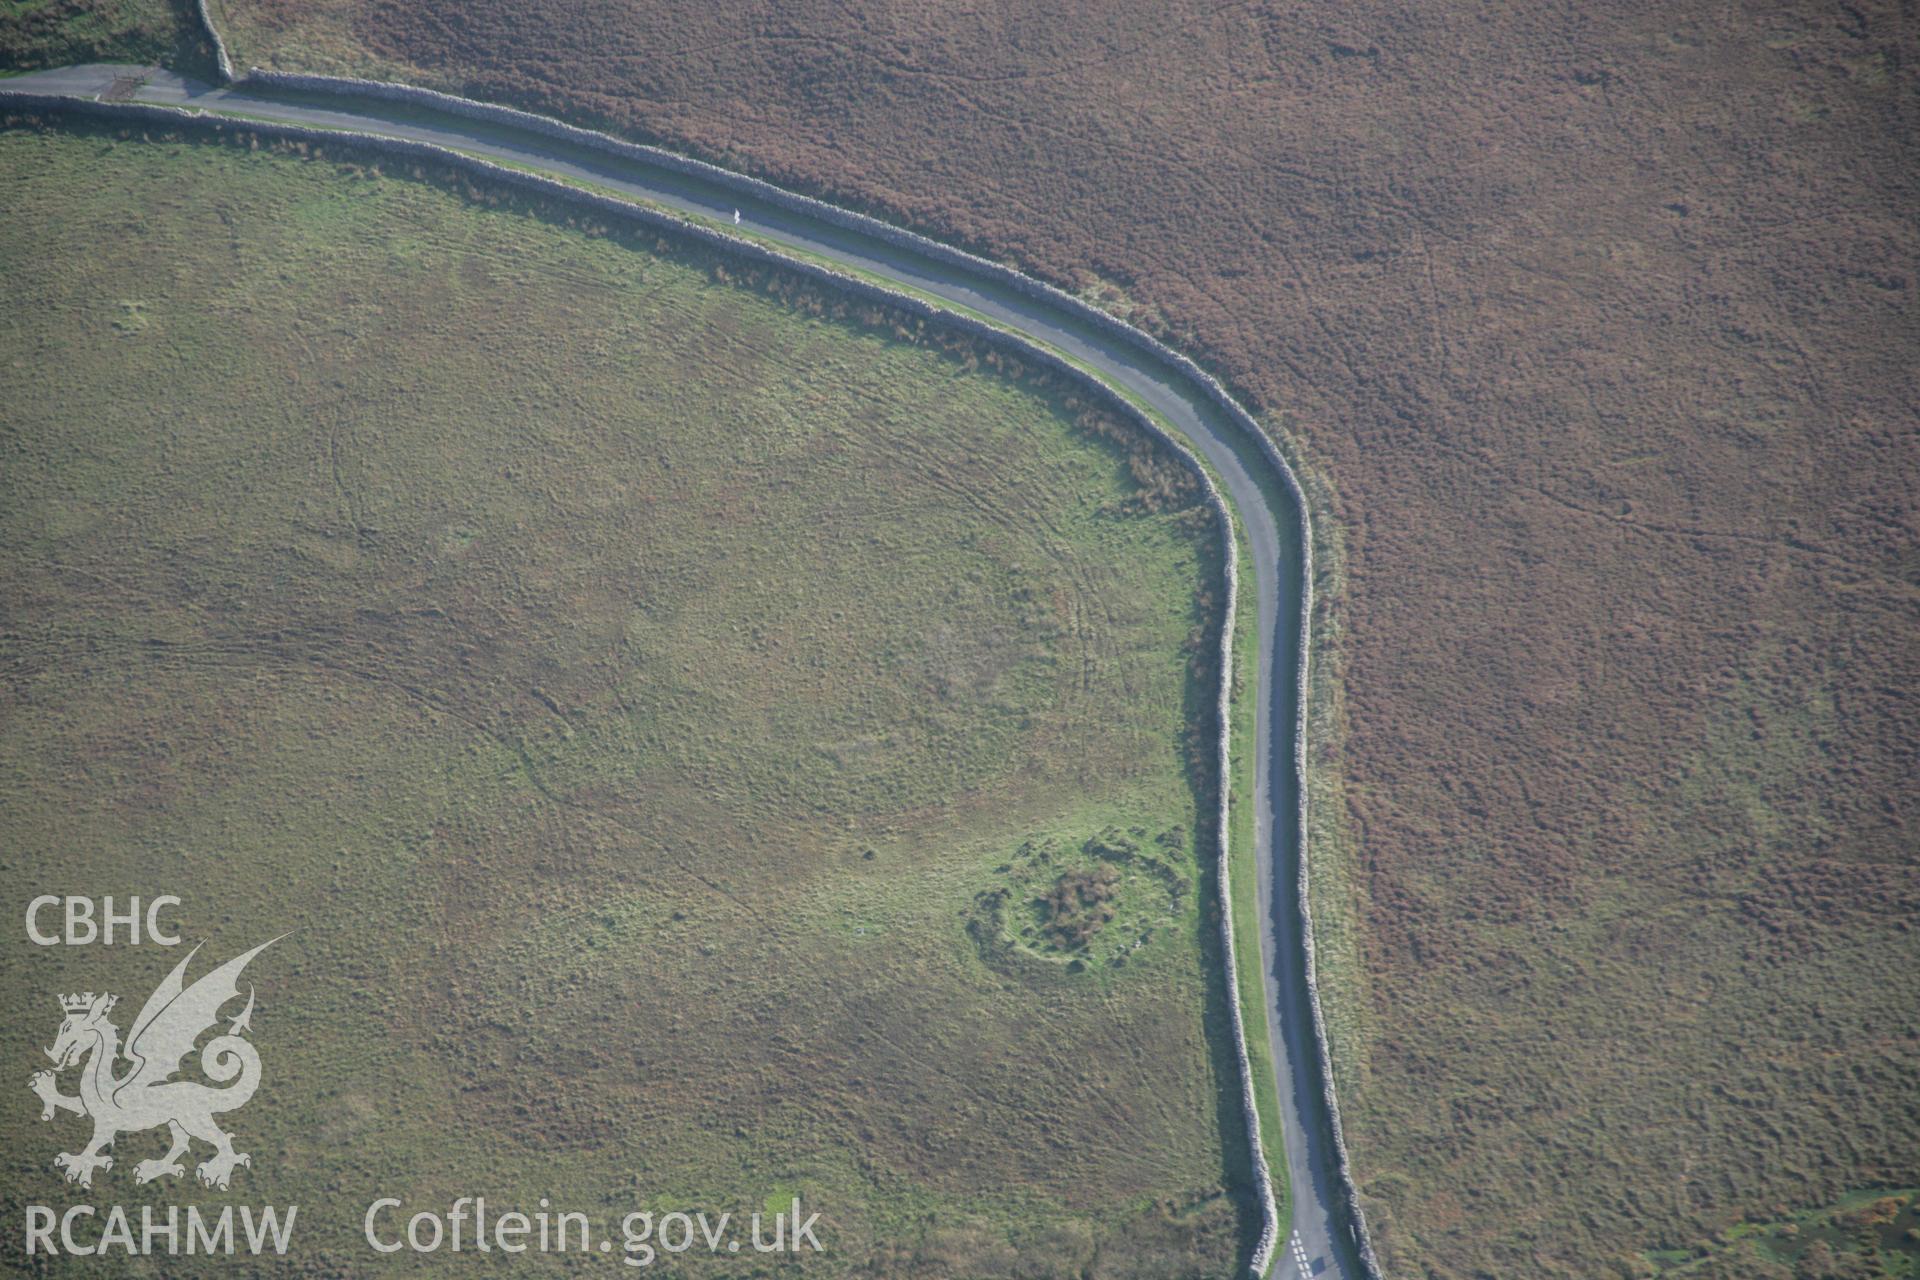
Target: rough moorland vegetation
(58, 33)
(1598, 322)
(623, 673)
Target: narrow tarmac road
(1319, 1240)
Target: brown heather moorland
(1596, 324)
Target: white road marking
(1299, 1254)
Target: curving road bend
(1320, 1240)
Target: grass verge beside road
(1243, 869)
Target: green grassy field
(710, 748)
